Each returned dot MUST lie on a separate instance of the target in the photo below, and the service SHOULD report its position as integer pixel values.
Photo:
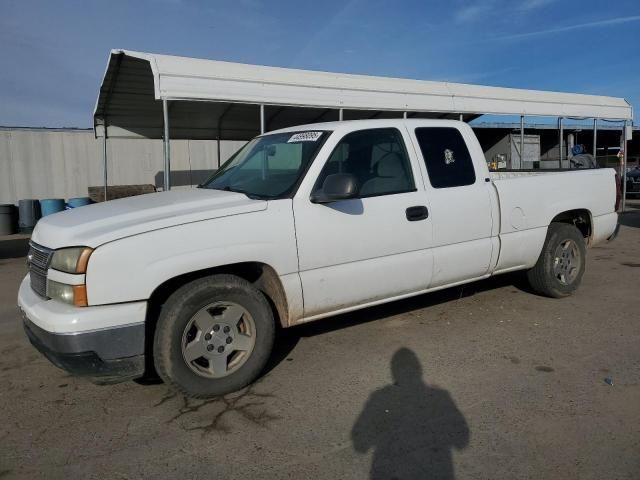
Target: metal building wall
(63, 163)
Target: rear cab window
(446, 157)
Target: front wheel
(559, 269)
(214, 336)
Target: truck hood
(94, 225)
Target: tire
(198, 351)
(560, 267)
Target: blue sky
(53, 53)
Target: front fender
(130, 269)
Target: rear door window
(446, 156)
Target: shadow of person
(411, 426)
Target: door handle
(419, 212)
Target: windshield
(269, 166)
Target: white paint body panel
(530, 201)
(94, 225)
(68, 278)
(349, 255)
(58, 317)
(462, 218)
(329, 258)
(603, 226)
(133, 267)
(360, 250)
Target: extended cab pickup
(300, 224)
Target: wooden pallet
(119, 191)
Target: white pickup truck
(300, 224)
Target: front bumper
(78, 354)
(110, 354)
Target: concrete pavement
(484, 381)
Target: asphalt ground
(485, 381)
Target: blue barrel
(51, 205)
(8, 219)
(78, 202)
(28, 214)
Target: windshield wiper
(252, 196)
(235, 190)
(224, 189)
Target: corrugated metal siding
(64, 163)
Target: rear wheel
(214, 336)
(559, 269)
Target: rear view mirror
(339, 186)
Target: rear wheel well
(580, 218)
(260, 275)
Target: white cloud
(472, 13)
(533, 4)
(570, 28)
(487, 8)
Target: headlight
(71, 294)
(60, 291)
(71, 260)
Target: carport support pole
(218, 146)
(624, 166)
(404, 115)
(167, 150)
(461, 118)
(595, 140)
(262, 125)
(340, 115)
(104, 160)
(561, 135)
(521, 141)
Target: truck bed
(529, 203)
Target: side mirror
(338, 186)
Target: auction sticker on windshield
(305, 137)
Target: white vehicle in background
(300, 224)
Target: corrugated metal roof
(615, 127)
(135, 81)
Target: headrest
(390, 166)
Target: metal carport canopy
(134, 82)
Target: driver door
(370, 248)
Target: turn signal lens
(83, 260)
(80, 295)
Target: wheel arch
(260, 275)
(581, 218)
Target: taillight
(618, 192)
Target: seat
(390, 176)
(358, 165)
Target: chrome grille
(39, 260)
